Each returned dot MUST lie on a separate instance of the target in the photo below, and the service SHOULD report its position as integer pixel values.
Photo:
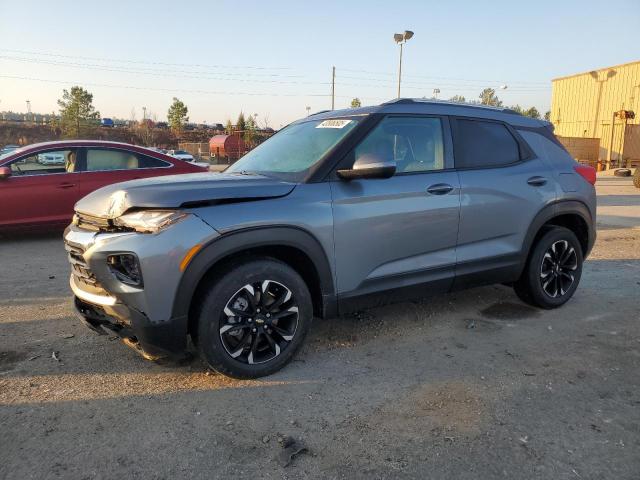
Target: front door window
(43, 163)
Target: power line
(113, 60)
(221, 76)
(170, 90)
(369, 72)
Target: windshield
(294, 150)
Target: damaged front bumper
(135, 329)
(140, 315)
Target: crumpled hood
(176, 191)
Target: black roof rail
(318, 113)
(401, 101)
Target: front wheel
(253, 318)
(553, 270)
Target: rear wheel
(254, 318)
(636, 177)
(553, 270)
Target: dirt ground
(471, 385)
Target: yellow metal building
(584, 106)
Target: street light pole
(401, 39)
(400, 69)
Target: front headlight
(149, 221)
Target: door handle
(439, 189)
(537, 181)
(66, 185)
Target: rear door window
(100, 160)
(481, 144)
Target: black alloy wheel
(252, 316)
(259, 322)
(557, 269)
(553, 269)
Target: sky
(275, 58)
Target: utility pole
(144, 113)
(333, 89)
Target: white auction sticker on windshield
(335, 123)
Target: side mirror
(369, 166)
(5, 172)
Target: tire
(253, 343)
(636, 177)
(537, 285)
(622, 172)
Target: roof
(433, 107)
(595, 70)
(81, 143)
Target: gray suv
(336, 212)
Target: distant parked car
(162, 125)
(8, 149)
(159, 150)
(51, 158)
(107, 122)
(181, 154)
(40, 184)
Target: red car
(40, 183)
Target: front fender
(235, 242)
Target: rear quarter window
(481, 144)
(546, 148)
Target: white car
(52, 158)
(8, 149)
(181, 155)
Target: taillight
(586, 172)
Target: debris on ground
(68, 335)
(55, 356)
(51, 277)
(471, 324)
(524, 440)
(266, 439)
(34, 357)
(291, 448)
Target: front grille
(95, 224)
(79, 267)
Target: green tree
(251, 130)
(228, 127)
(241, 123)
(458, 99)
(488, 97)
(532, 112)
(547, 115)
(355, 103)
(177, 115)
(517, 109)
(78, 117)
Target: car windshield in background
(294, 150)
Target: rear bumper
(154, 340)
